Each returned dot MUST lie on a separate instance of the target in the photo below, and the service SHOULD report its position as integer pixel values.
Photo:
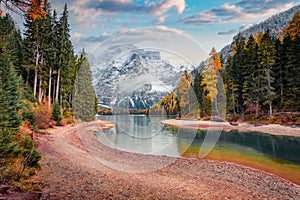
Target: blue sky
(210, 23)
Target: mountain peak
(139, 77)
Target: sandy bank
(274, 129)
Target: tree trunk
(27, 79)
(61, 103)
(40, 96)
(40, 89)
(216, 106)
(36, 65)
(256, 110)
(189, 100)
(269, 91)
(54, 84)
(70, 100)
(57, 86)
(281, 87)
(233, 106)
(35, 74)
(49, 89)
(203, 103)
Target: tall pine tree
(291, 45)
(251, 82)
(266, 61)
(84, 95)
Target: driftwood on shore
(234, 123)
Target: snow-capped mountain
(125, 76)
(275, 24)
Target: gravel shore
(274, 129)
(71, 169)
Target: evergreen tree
(84, 94)
(66, 60)
(292, 71)
(250, 74)
(10, 41)
(10, 119)
(230, 85)
(267, 69)
(266, 61)
(52, 70)
(279, 74)
(10, 96)
(200, 92)
(234, 76)
(291, 68)
(56, 116)
(50, 50)
(32, 51)
(238, 70)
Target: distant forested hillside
(275, 25)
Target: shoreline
(273, 129)
(70, 169)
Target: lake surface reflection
(142, 134)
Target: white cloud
(161, 19)
(160, 38)
(163, 6)
(88, 12)
(122, 1)
(76, 36)
(244, 16)
(85, 16)
(207, 15)
(123, 29)
(171, 30)
(231, 8)
(244, 10)
(104, 34)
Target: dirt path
(70, 170)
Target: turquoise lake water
(142, 134)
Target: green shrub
(56, 116)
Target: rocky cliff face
(127, 77)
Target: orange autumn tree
(211, 77)
(183, 93)
(34, 8)
(293, 28)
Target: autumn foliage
(293, 29)
(34, 8)
(43, 116)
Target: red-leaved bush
(63, 122)
(25, 128)
(66, 121)
(43, 116)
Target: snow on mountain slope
(136, 77)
